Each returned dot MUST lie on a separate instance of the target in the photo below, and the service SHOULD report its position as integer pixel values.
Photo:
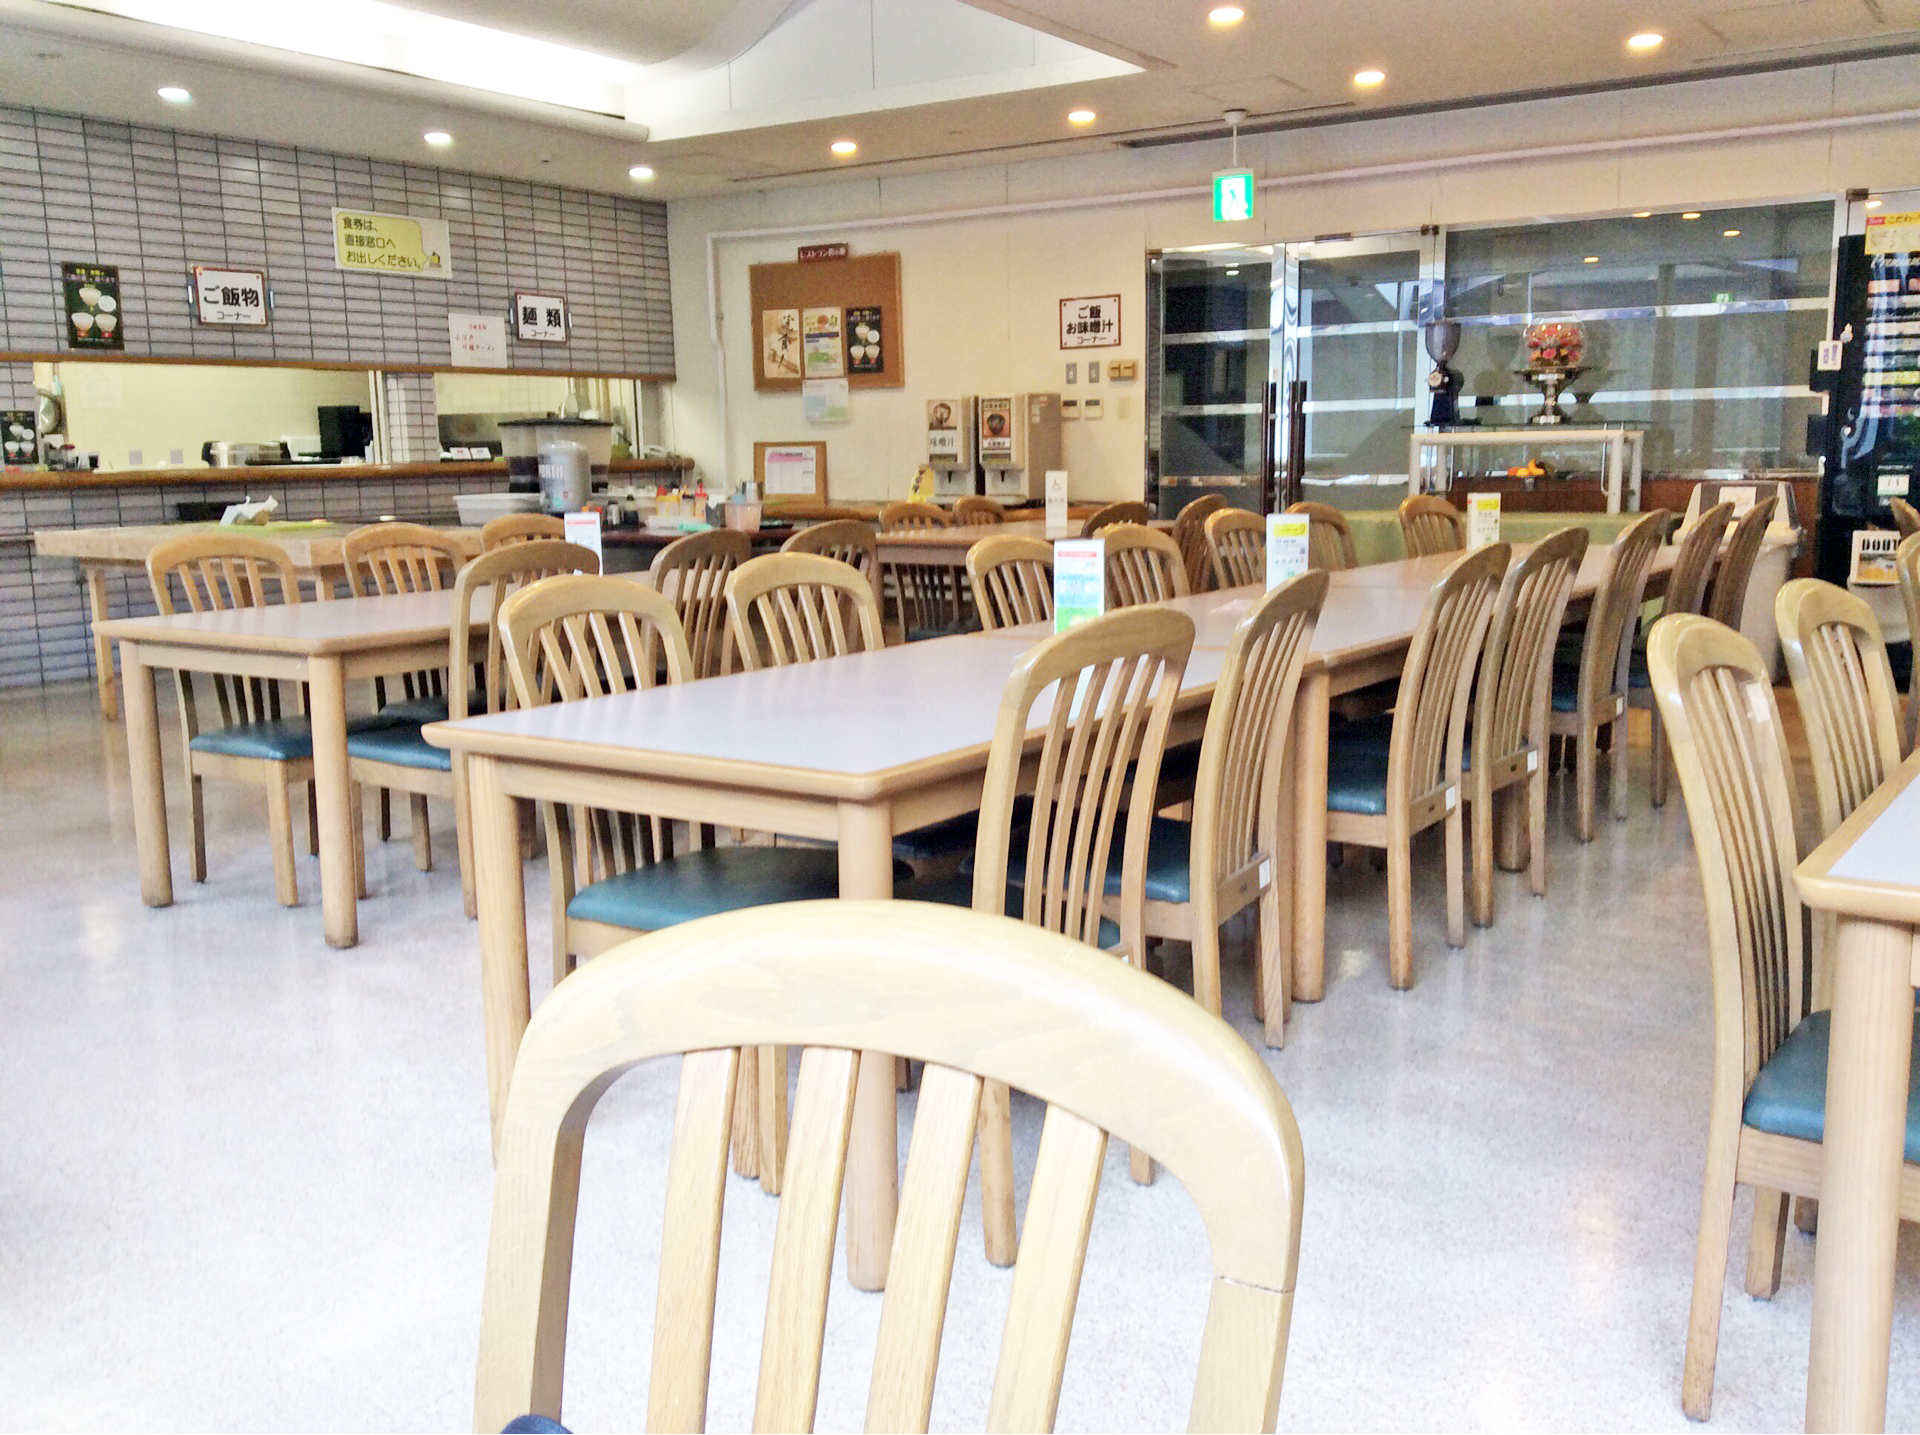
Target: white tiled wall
(413, 430)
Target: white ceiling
(753, 91)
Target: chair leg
(463, 838)
(1482, 854)
(996, 1173)
(1585, 758)
(197, 823)
(773, 1117)
(313, 820)
(280, 834)
(1273, 964)
(1768, 1245)
(357, 829)
(1659, 759)
(1456, 837)
(422, 833)
(1709, 1277)
(386, 814)
(1537, 832)
(1400, 916)
(1206, 965)
(746, 1114)
(1617, 750)
(1806, 1214)
(1140, 1167)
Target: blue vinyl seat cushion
(279, 740)
(431, 708)
(955, 889)
(1789, 1096)
(1357, 776)
(956, 836)
(402, 745)
(1169, 852)
(715, 879)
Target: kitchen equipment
(346, 431)
(1019, 441)
(950, 447)
(524, 440)
(566, 476)
(242, 455)
(479, 509)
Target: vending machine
(1019, 442)
(951, 453)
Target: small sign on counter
(584, 528)
(1079, 581)
(1056, 500)
(1483, 519)
(1287, 547)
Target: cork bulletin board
(830, 319)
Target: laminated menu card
(1079, 581)
(1286, 547)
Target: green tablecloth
(1376, 535)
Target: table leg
(1867, 1069)
(98, 612)
(505, 1000)
(1616, 447)
(339, 873)
(149, 781)
(873, 1156)
(1310, 836)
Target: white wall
(981, 293)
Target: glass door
(1211, 397)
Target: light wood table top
(1870, 865)
(302, 629)
(309, 546)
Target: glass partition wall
(1699, 325)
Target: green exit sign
(1232, 195)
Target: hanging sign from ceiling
(1232, 195)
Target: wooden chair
(1045, 856)
(1012, 581)
(1844, 687)
(1906, 563)
(1126, 511)
(1767, 1111)
(396, 755)
(1592, 695)
(800, 606)
(913, 517)
(1329, 537)
(1698, 548)
(692, 572)
(1203, 872)
(520, 528)
(974, 509)
(1728, 600)
(1237, 548)
(1384, 788)
(1507, 748)
(257, 739)
(926, 596)
(981, 1000)
(1143, 566)
(1190, 535)
(1431, 525)
(1906, 517)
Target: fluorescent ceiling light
(1874, 203)
(844, 147)
(1645, 41)
(393, 37)
(174, 94)
(640, 171)
(1081, 117)
(1729, 234)
(1691, 214)
(1643, 214)
(1221, 16)
(1367, 79)
(439, 139)
(1591, 259)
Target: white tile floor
(244, 1179)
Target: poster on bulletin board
(828, 318)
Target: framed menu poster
(791, 470)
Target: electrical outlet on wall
(1122, 406)
(1093, 408)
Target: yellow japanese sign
(1893, 233)
(365, 240)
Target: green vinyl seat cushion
(955, 837)
(715, 879)
(1789, 1096)
(277, 740)
(1357, 776)
(431, 708)
(955, 889)
(402, 745)
(1169, 849)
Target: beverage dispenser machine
(950, 447)
(1019, 442)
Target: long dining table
(860, 748)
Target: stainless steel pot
(242, 455)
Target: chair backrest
(692, 573)
(1430, 710)
(1329, 537)
(800, 606)
(1845, 691)
(1736, 565)
(1616, 610)
(1237, 548)
(1143, 566)
(910, 517)
(1516, 672)
(849, 540)
(1906, 517)
(480, 589)
(212, 572)
(1012, 580)
(1190, 535)
(1693, 561)
(1127, 511)
(973, 996)
(1431, 525)
(399, 558)
(580, 635)
(520, 528)
(976, 509)
(1103, 694)
(1716, 698)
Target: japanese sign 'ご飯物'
(230, 296)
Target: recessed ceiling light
(1643, 214)
(1591, 259)
(1232, 272)
(1874, 203)
(1081, 117)
(1367, 79)
(1646, 41)
(1691, 214)
(1729, 234)
(640, 171)
(175, 95)
(844, 147)
(1221, 16)
(439, 139)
